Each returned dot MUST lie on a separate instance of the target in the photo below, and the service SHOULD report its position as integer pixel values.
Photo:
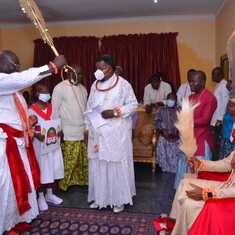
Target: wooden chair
(145, 138)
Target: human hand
(59, 61)
(148, 108)
(194, 163)
(233, 162)
(40, 137)
(195, 193)
(33, 120)
(108, 113)
(218, 123)
(118, 112)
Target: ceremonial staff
(30, 8)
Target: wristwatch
(115, 113)
(210, 195)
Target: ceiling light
(155, 1)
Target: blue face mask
(170, 103)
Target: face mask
(99, 75)
(44, 97)
(170, 103)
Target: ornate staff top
(30, 8)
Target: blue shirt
(227, 126)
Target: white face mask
(44, 97)
(170, 103)
(99, 75)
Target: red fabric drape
(143, 55)
(77, 50)
(18, 174)
(215, 176)
(216, 218)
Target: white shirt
(221, 94)
(183, 92)
(69, 103)
(152, 96)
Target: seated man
(192, 193)
(155, 93)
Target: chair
(145, 138)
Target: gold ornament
(30, 8)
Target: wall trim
(114, 20)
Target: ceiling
(74, 10)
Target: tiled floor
(154, 192)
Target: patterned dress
(168, 152)
(75, 164)
(226, 146)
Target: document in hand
(94, 115)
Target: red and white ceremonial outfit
(19, 171)
(51, 164)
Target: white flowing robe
(221, 94)
(111, 169)
(9, 84)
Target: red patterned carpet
(91, 222)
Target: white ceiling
(69, 10)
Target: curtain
(143, 55)
(77, 50)
(140, 55)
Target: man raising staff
(111, 170)
(19, 174)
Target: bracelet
(202, 165)
(208, 193)
(55, 68)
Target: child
(51, 164)
(167, 147)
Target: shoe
(52, 198)
(118, 209)
(42, 204)
(94, 206)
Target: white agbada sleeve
(130, 101)
(56, 102)
(11, 83)
(147, 96)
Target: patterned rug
(91, 222)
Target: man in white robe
(221, 94)
(12, 81)
(111, 169)
(156, 92)
(184, 90)
(192, 193)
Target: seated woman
(192, 193)
(167, 147)
(226, 145)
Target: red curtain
(143, 55)
(77, 50)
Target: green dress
(75, 164)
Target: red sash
(18, 174)
(46, 116)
